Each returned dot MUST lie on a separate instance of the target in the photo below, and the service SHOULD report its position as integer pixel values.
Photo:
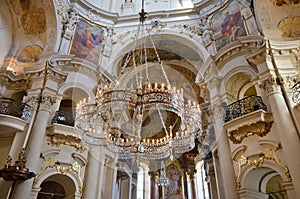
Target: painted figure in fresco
(89, 39)
(174, 179)
(229, 25)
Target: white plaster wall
(5, 31)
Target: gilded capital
(153, 174)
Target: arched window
(51, 189)
(57, 187)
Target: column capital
(153, 174)
(46, 102)
(190, 174)
(271, 85)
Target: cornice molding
(67, 63)
(243, 46)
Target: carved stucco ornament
(61, 169)
(258, 128)
(57, 139)
(257, 161)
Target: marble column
(125, 188)
(94, 175)
(218, 177)
(226, 163)
(185, 185)
(211, 179)
(287, 131)
(109, 181)
(35, 144)
(154, 187)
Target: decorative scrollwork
(51, 163)
(68, 140)
(257, 161)
(259, 128)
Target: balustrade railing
(296, 93)
(64, 117)
(15, 108)
(243, 107)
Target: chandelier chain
(159, 60)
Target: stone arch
(19, 95)
(75, 91)
(66, 184)
(237, 82)
(249, 175)
(254, 181)
(70, 178)
(160, 39)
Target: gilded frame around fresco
(87, 40)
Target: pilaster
(94, 174)
(192, 183)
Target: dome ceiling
(126, 7)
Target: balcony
(14, 115)
(64, 117)
(62, 131)
(296, 93)
(15, 108)
(247, 117)
(244, 107)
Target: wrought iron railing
(296, 93)
(243, 107)
(64, 117)
(15, 108)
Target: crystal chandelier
(163, 180)
(117, 119)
